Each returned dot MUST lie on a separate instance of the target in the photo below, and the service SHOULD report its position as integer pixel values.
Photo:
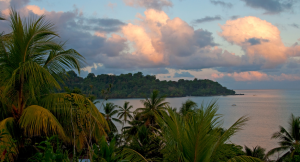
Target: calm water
(267, 110)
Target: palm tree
(109, 112)
(109, 152)
(289, 139)
(147, 143)
(152, 105)
(187, 107)
(30, 63)
(198, 138)
(124, 112)
(257, 152)
(132, 128)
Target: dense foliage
(138, 86)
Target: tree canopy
(138, 86)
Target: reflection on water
(267, 110)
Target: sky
(242, 44)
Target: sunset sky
(243, 44)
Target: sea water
(267, 110)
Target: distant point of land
(138, 86)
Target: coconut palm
(124, 112)
(109, 152)
(152, 105)
(147, 143)
(187, 107)
(198, 138)
(132, 128)
(257, 152)
(109, 112)
(30, 63)
(88, 123)
(289, 139)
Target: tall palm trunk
(21, 98)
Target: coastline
(240, 94)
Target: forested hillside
(138, 86)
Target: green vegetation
(289, 141)
(138, 86)
(30, 63)
(38, 124)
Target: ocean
(267, 110)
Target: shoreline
(240, 94)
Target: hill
(137, 86)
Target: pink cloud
(100, 34)
(249, 76)
(36, 9)
(142, 42)
(256, 76)
(5, 12)
(294, 50)
(288, 77)
(258, 38)
(163, 40)
(217, 76)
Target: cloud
(256, 41)
(158, 37)
(183, 74)
(295, 25)
(86, 35)
(221, 3)
(106, 22)
(264, 41)
(206, 19)
(155, 41)
(288, 77)
(153, 4)
(271, 6)
(89, 68)
(111, 5)
(249, 76)
(257, 76)
(17, 4)
(294, 50)
(36, 10)
(204, 38)
(234, 17)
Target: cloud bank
(221, 3)
(271, 6)
(153, 4)
(154, 41)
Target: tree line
(138, 86)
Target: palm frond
(61, 60)
(277, 149)
(38, 121)
(244, 158)
(288, 139)
(36, 76)
(117, 120)
(11, 132)
(198, 137)
(87, 114)
(132, 155)
(233, 130)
